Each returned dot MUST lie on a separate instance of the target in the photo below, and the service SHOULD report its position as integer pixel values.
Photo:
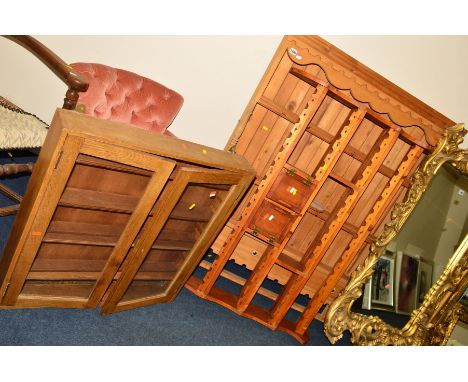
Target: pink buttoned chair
(94, 89)
(123, 96)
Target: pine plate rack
(333, 145)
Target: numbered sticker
(294, 52)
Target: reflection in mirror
(459, 336)
(418, 254)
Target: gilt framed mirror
(409, 288)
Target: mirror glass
(417, 256)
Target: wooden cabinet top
(121, 134)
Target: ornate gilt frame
(433, 322)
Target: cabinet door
(98, 198)
(172, 242)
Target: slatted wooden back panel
(329, 168)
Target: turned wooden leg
(12, 169)
(70, 100)
(15, 168)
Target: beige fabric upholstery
(20, 130)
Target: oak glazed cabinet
(333, 145)
(115, 216)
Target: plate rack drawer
(291, 190)
(272, 221)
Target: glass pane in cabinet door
(91, 215)
(172, 249)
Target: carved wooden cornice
(366, 86)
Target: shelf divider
(279, 110)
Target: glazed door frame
(150, 232)
(47, 204)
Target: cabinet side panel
(35, 190)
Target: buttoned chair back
(123, 96)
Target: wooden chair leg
(15, 168)
(12, 169)
(13, 195)
(10, 210)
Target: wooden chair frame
(75, 84)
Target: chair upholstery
(123, 96)
(19, 129)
